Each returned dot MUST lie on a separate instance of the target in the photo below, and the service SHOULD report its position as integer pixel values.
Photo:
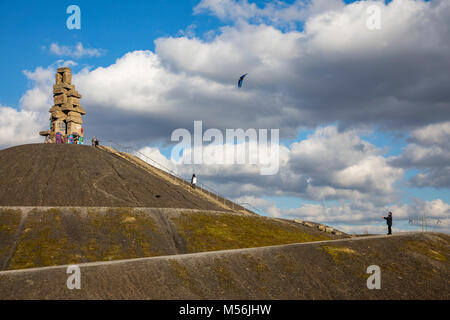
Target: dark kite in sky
(241, 80)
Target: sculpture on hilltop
(66, 113)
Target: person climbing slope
(193, 181)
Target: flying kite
(241, 80)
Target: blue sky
(119, 28)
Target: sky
(363, 113)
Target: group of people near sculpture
(59, 138)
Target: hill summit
(77, 175)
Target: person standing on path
(389, 222)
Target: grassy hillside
(38, 237)
(206, 232)
(413, 266)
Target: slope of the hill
(212, 197)
(75, 175)
(38, 237)
(413, 266)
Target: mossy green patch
(9, 223)
(337, 253)
(433, 250)
(347, 258)
(259, 269)
(180, 270)
(290, 264)
(255, 264)
(392, 267)
(122, 233)
(53, 237)
(182, 273)
(45, 244)
(210, 232)
(225, 278)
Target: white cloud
(18, 127)
(258, 205)
(77, 51)
(228, 9)
(344, 161)
(434, 134)
(40, 96)
(23, 125)
(359, 217)
(328, 165)
(369, 229)
(155, 158)
(276, 12)
(429, 150)
(333, 71)
(136, 82)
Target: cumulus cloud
(334, 70)
(366, 217)
(328, 165)
(39, 97)
(344, 161)
(149, 101)
(436, 134)
(155, 158)
(276, 12)
(20, 126)
(76, 51)
(255, 203)
(429, 150)
(356, 212)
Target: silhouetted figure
(389, 222)
(193, 181)
(94, 141)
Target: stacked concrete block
(66, 113)
(308, 224)
(329, 230)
